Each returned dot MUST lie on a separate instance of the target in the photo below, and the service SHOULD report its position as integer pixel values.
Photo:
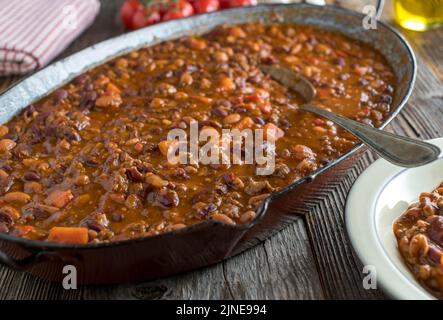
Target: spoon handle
(399, 150)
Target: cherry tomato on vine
(143, 18)
(236, 3)
(179, 10)
(128, 10)
(202, 6)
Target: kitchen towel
(33, 32)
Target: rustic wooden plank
(274, 270)
(281, 268)
(207, 283)
(7, 82)
(429, 46)
(340, 272)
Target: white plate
(380, 195)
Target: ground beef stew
(419, 233)
(88, 163)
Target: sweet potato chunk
(68, 235)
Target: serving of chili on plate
(419, 233)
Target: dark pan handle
(19, 265)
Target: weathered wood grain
(310, 259)
(7, 82)
(340, 273)
(282, 266)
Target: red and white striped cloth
(33, 32)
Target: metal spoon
(399, 150)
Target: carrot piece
(271, 128)
(164, 146)
(266, 108)
(226, 84)
(102, 80)
(245, 123)
(112, 89)
(59, 198)
(256, 98)
(323, 93)
(237, 32)
(23, 230)
(68, 235)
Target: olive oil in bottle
(418, 15)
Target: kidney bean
(59, 96)
(31, 176)
(210, 123)
(384, 98)
(167, 198)
(220, 112)
(135, 175)
(259, 120)
(225, 103)
(88, 99)
(8, 215)
(340, 61)
(435, 254)
(82, 79)
(204, 209)
(435, 231)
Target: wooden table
(310, 259)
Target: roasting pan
(210, 241)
